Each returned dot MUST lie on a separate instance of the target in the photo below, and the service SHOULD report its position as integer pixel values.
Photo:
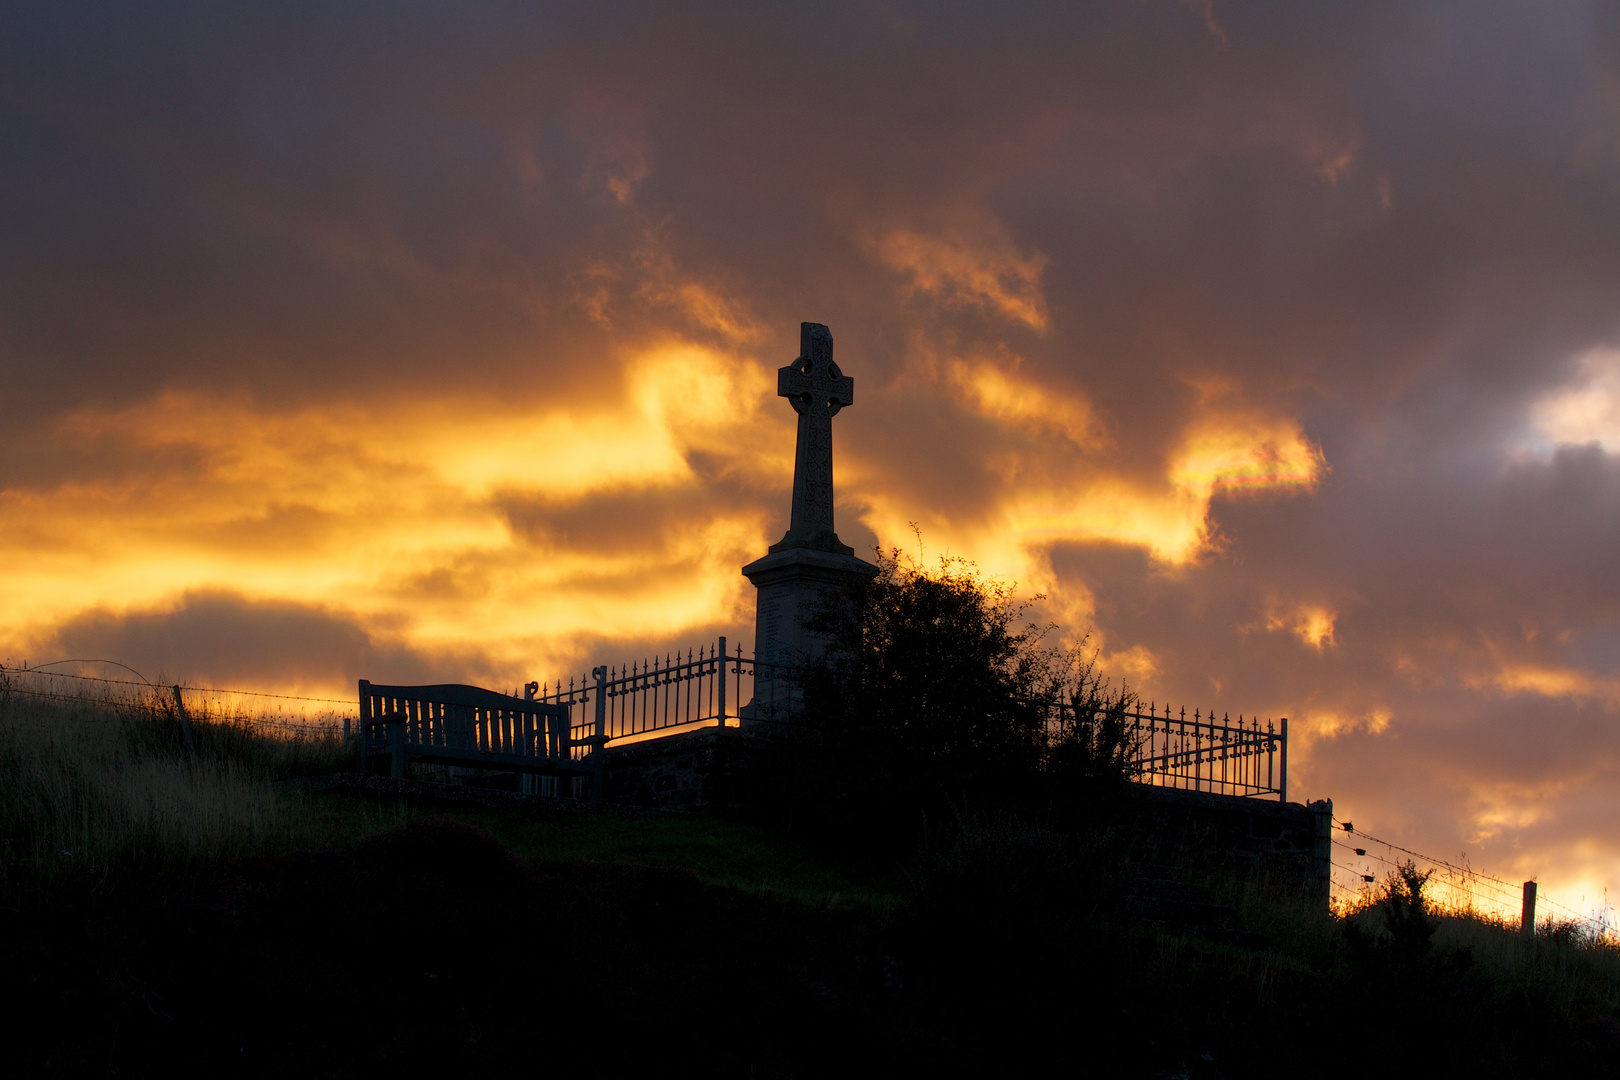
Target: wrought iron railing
(1200, 753)
(711, 687)
(702, 687)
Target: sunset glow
(1280, 353)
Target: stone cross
(817, 390)
(809, 571)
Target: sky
(1278, 345)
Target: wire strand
(151, 685)
(110, 663)
(1470, 877)
(259, 721)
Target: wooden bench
(452, 724)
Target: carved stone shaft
(817, 390)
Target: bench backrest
(463, 718)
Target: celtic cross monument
(809, 567)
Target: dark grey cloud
(224, 640)
(253, 200)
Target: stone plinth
(794, 585)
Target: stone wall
(703, 768)
(1286, 843)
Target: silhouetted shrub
(1406, 910)
(936, 696)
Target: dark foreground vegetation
(171, 914)
(433, 947)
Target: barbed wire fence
(1459, 888)
(288, 714)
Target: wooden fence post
(185, 721)
(721, 653)
(1527, 921)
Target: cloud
(1228, 453)
(1588, 409)
(222, 639)
(510, 529)
(1557, 683)
(1276, 343)
(1310, 623)
(989, 273)
(995, 389)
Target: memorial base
(794, 586)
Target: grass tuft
(87, 786)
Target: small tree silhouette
(937, 694)
(1406, 909)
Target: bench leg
(397, 738)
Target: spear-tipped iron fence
(709, 686)
(1168, 748)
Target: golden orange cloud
(1311, 623)
(988, 272)
(1067, 492)
(997, 390)
(1232, 450)
(1313, 725)
(516, 530)
(1550, 681)
(395, 515)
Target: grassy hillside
(90, 792)
(171, 913)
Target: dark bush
(1406, 915)
(937, 696)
